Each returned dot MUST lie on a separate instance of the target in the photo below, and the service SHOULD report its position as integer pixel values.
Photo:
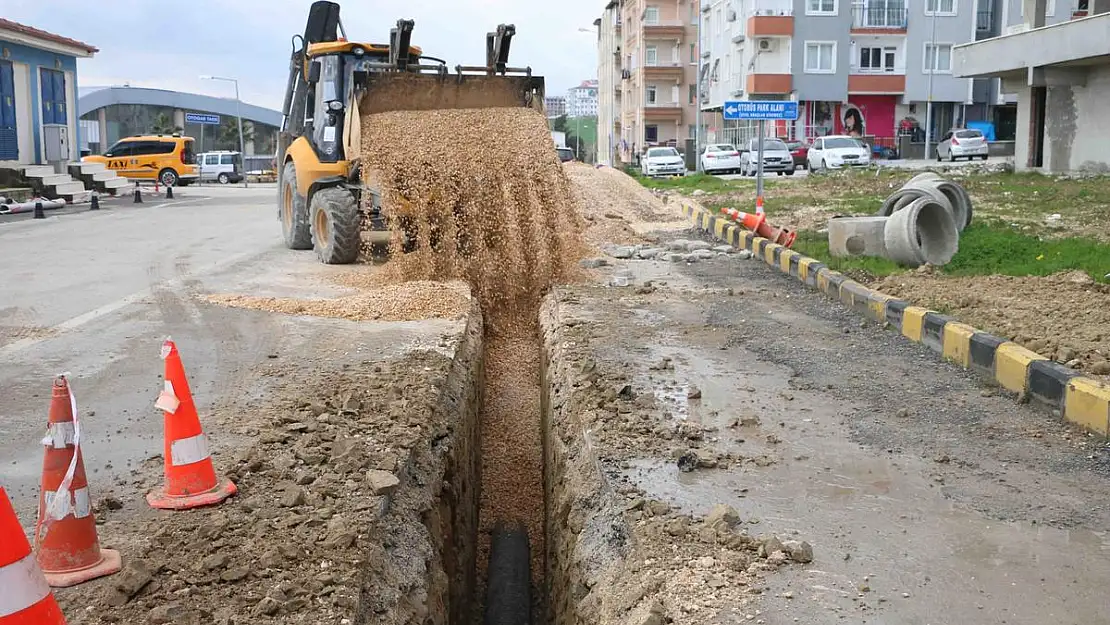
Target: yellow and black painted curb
(1081, 400)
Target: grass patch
(985, 249)
(690, 183)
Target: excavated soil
(335, 467)
(1064, 316)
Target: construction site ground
(721, 444)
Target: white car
(969, 144)
(776, 158)
(720, 158)
(662, 162)
(836, 151)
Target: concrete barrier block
(857, 236)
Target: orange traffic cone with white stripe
(25, 597)
(191, 480)
(66, 543)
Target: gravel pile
(616, 208)
(408, 301)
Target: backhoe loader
(324, 203)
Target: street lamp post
(932, 63)
(239, 117)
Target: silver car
(776, 158)
(964, 143)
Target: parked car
(836, 151)
(963, 143)
(168, 159)
(720, 158)
(776, 158)
(222, 166)
(799, 150)
(565, 154)
(662, 162)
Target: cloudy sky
(169, 45)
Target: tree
(228, 136)
(163, 125)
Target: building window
(693, 54)
(674, 95)
(876, 59)
(651, 56)
(693, 94)
(651, 16)
(651, 94)
(938, 58)
(692, 131)
(940, 7)
(1050, 7)
(651, 133)
(720, 21)
(821, 7)
(53, 96)
(820, 57)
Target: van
(222, 166)
(169, 159)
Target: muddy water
(890, 547)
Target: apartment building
(1054, 66)
(647, 74)
(582, 100)
(556, 106)
(865, 67)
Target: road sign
(202, 118)
(746, 109)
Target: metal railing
(662, 105)
(856, 68)
(984, 20)
(889, 15)
(664, 23)
(663, 64)
(771, 7)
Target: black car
(565, 154)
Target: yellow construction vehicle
(324, 203)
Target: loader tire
(335, 226)
(293, 212)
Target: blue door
(9, 140)
(53, 96)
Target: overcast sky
(169, 45)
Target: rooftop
(23, 32)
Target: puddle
(889, 546)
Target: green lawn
(986, 248)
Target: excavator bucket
(404, 91)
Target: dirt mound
(485, 197)
(616, 208)
(409, 301)
(1064, 316)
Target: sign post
(203, 119)
(761, 111)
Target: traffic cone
(95, 206)
(191, 480)
(25, 597)
(39, 214)
(169, 193)
(65, 537)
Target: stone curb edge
(1081, 400)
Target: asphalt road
(94, 294)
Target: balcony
(879, 18)
(663, 110)
(761, 84)
(877, 83)
(770, 26)
(667, 28)
(660, 69)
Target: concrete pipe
(898, 200)
(857, 236)
(960, 199)
(923, 232)
(931, 188)
(925, 175)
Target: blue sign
(202, 118)
(760, 110)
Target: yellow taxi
(169, 159)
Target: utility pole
(697, 94)
(239, 117)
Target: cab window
(121, 148)
(228, 159)
(188, 156)
(211, 159)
